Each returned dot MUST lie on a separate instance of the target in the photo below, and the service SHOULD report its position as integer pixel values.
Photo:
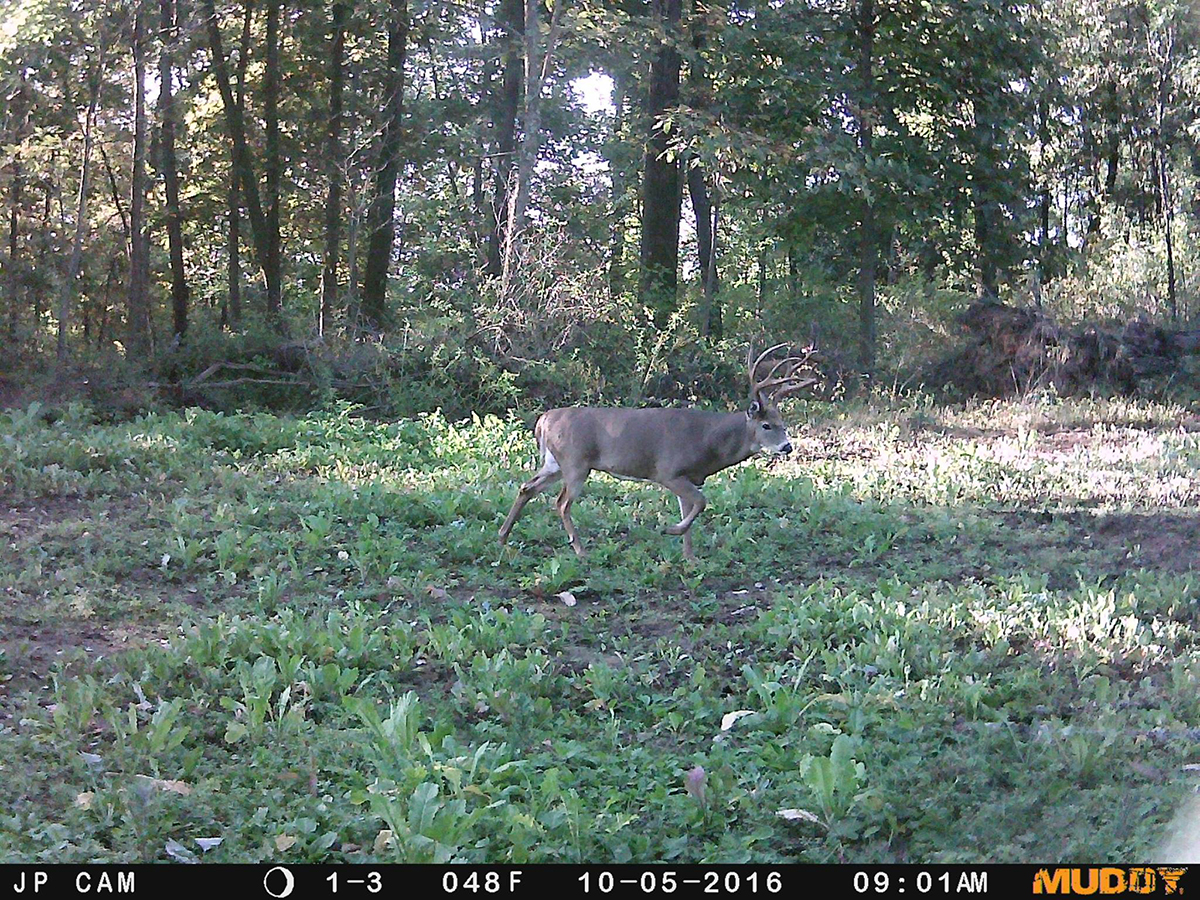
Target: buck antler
(779, 387)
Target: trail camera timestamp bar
(597, 882)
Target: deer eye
(766, 426)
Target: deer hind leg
(546, 476)
(572, 486)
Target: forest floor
(932, 634)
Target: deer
(675, 448)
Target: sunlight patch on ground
(1183, 843)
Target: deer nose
(786, 448)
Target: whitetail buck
(676, 448)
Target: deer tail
(539, 435)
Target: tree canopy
(515, 186)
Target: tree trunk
(505, 105)
(20, 114)
(1168, 223)
(703, 206)
(987, 286)
(14, 278)
(760, 270)
(353, 227)
(116, 198)
(793, 268)
(381, 228)
(704, 209)
(243, 164)
(984, 179)
(139, 241)
(1162, 159)
(273, 164)
(232, 317)
(531, 119)
(1043, 202)
(537, 63)
(1111, 161)
(102, 331)
(169, 117)
(234, 252)
(868, 246)
(68, 287)
(619, 205)
(715, 320)
(660, 176)
(39, 299)
(333, 158)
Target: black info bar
(600, 881)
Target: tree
(505, 104)
(19, 121)
(233, 195)
(660, 171)
(381, 226)
(705, 205)
(273, 163)
(168, 124)
(265, 246)
(139, 241)
(865, 24)
(537, 61)
(95, 77)
(333, 166)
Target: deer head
(763, 419)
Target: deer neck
(734, 440)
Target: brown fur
(676, 448)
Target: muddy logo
(1109, 880)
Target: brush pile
(1009, 350)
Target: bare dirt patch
(1165, 542)
(36, 633)
(47, 511)
(1125, 542)
(34, 650)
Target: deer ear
(754, 410)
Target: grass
(947, 635)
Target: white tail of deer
(676, 448)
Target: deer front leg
(688, 554)
(689, 496)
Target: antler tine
(757, 362)
(799, 384)
(793, 380)
(775, 368)
(769, 382)
(783, 385)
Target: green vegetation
(959, 634)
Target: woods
(861, 171)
